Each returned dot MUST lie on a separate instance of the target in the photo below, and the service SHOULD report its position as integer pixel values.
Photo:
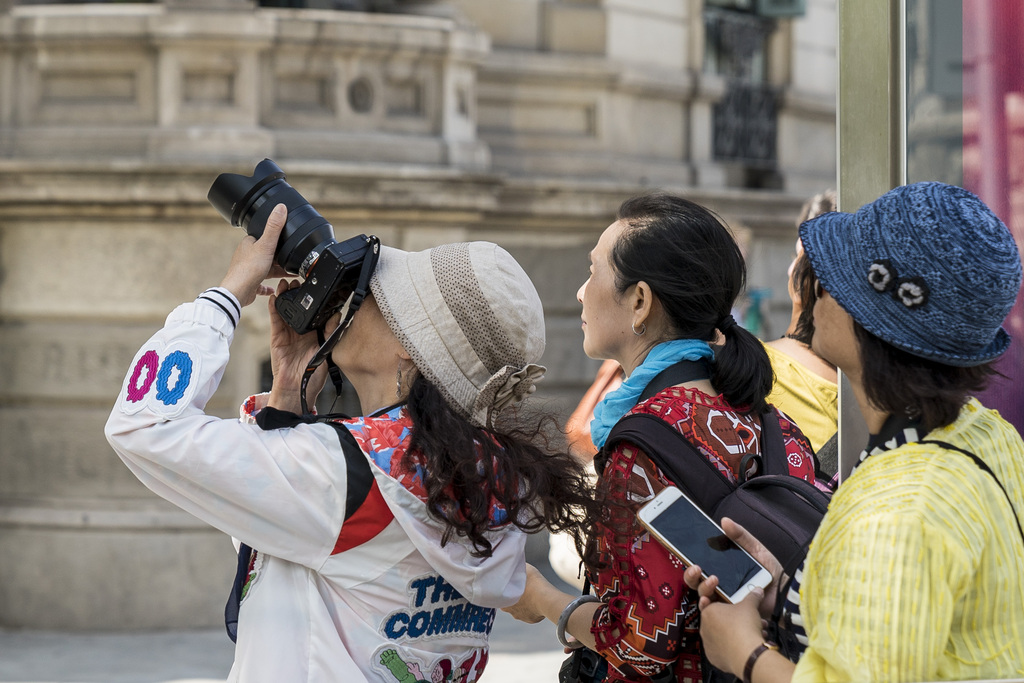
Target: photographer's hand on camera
(290, 353)
(253, 261)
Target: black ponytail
(691, 262)
(742, 371)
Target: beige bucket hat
(469, 317)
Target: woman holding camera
(663, 280)
(382, 543)
(915, 571)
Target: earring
(398, 383)
(643, 328)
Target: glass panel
(965, 126)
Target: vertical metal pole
(870, 113)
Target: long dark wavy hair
(691, 262)
(519, 464)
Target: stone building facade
(524, 122)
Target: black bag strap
(773, 444)
(677, 373)
(687, 468)
(982, 465)
(689, 370)
(231, 608)
(360, 481)
(693, 472)
(807, 492)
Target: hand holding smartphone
(694, 538)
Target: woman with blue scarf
(663, 280)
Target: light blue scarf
(619, 402)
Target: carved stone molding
(165, 82)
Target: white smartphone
(683, 528)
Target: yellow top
(917, 571)
(809, 399)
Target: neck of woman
(803, 353)
(376, 392)
(874, 417)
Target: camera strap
(352, 304)
(337, 379)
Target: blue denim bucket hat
(928, 268)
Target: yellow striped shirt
(917, 571)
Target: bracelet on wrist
(748, 668)
(563, 620)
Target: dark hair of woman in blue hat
(915, 572)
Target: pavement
(520, 653)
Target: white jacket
(383, 602)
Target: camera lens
(246, 202)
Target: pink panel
(993, 152)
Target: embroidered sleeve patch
(162, 378)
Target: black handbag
(583, 666)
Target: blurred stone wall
(524, 122)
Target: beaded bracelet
(563, 619)
(748, 669)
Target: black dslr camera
(330, 269)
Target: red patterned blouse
(650, 619)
